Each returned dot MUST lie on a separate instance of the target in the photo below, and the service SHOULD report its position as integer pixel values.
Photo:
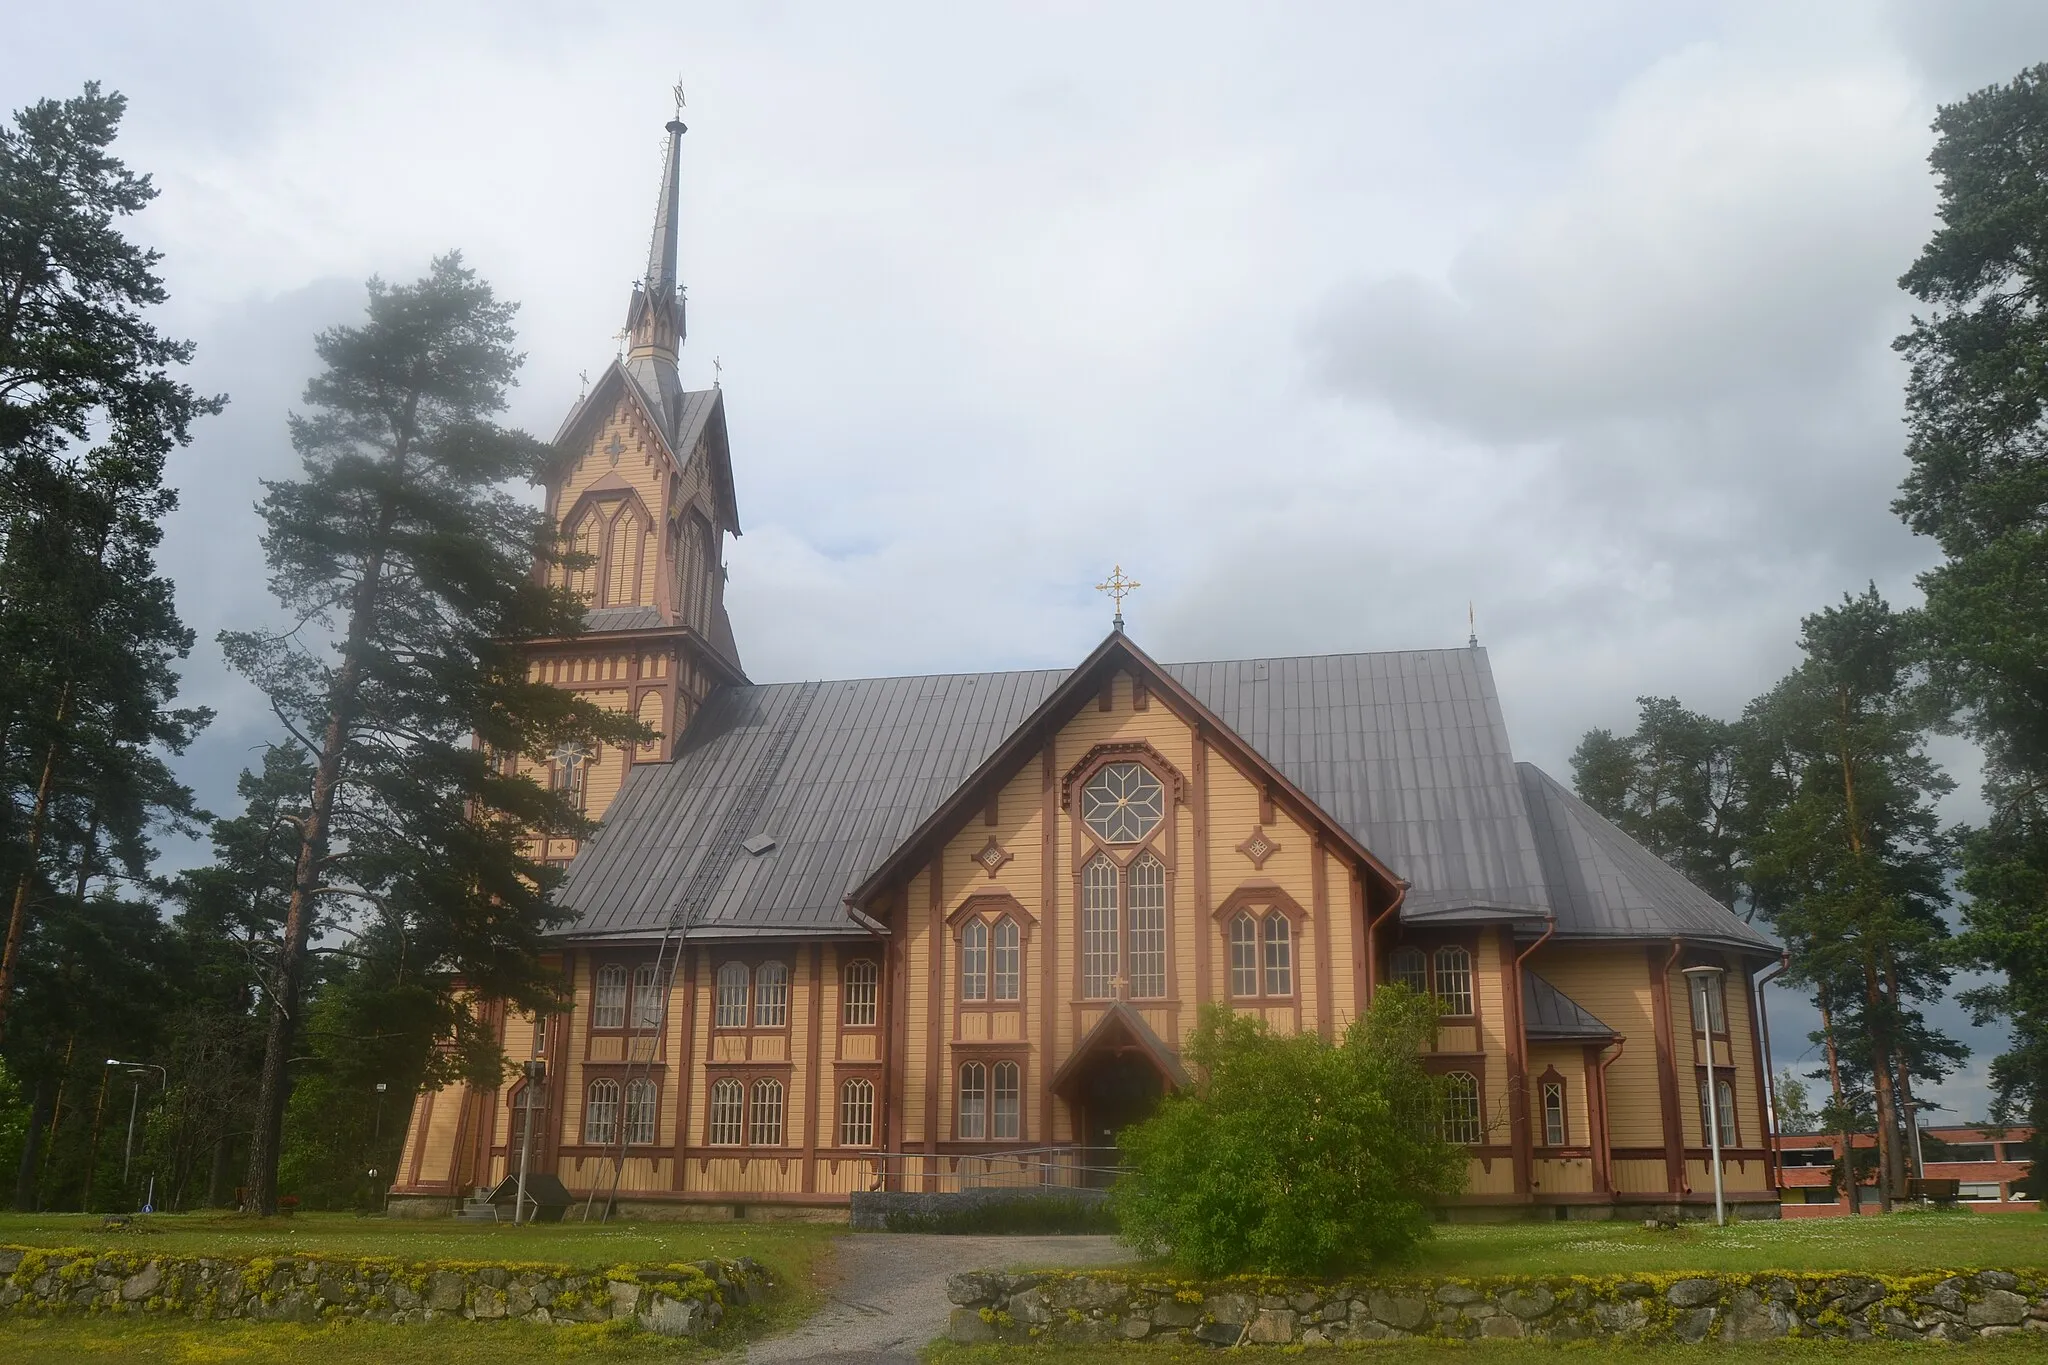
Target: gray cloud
(1323, 320)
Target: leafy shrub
(1292, 1155)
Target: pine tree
(89, 413)
(1675, 786)
(402, 542)
(1848, 860)
(1977, 405)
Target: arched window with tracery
(608, 997)
(1148, 928)
(764, 1127)
(1454, 979)
(771, 995)
(1461, 1120)
(1277, 938)
(646, 997)
(1411, 969)
(732, 996)
(972, 1108)
(1006, 960)
(586, 544)
(857, 1113)
(601, 1114)
(640, 1100)
(1006, 1107)
(858, 989)
(1244, 954)
(1724, 1111)
(1099, 885)
(974, 960)
(728, 1112)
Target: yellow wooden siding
(1614, 985)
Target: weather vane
(679, 96)
(1118, 587)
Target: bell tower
(640, 490)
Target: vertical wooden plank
(1361, 944)
(1319, 909)
(814, 1070)
(684, 1065)
(935, 993)
(1204, 927)
(1667, 1068)
(1048, 934)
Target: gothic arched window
(1148, 928)
(601, 1114)
(1244, 954)
(1461, 1120)
(1454, 979)
(1411, 969)
(974, 960)
(1006, 1110)
(728, 1112)
(732, 996)
(858, 989)
(764, 1128)
(608, 998)
(646, 997)
(1006, 961)
(972, 1109)
(857, 1113)
(1277, 938)
(640, 1098)
(771, 995)
(1099, 885)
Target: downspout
(1518, 1107)
(1372, 941)
(1763, 1019)
(1607, 1118)
(1674, 1112)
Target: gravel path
(885, 1293)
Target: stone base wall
(688, 1300)
(1061, 1307)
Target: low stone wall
(1065, 1307)
(686, 1300)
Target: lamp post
(377, 1133)
(1706, 977)
(138, 1070)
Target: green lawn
(2013, 1351)
(56, 1341)
(1898, 1242)
(787, 1248)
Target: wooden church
(936, 933)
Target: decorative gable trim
(1268, 894)
(996, 903)
(1102, 755)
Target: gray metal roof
(1548, 1012)
(1604, 884)
(1406, 750)
(872, 758)
(623, 618)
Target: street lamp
(137, 1070)
(1706, 978)
(378, 1134)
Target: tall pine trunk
(1827, 1033)
(288, 977)
(17, 919)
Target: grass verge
(53, 1341)
(2011, 1351)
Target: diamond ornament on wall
(1258, 846)
(992, 857)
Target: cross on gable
(615, 447)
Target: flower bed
(1725, 1307)
(686, 1300)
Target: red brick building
(1984, 1159)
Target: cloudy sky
(1323, 320)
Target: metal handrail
(1069, 1166)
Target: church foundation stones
(688, 1300)
(1694, 1309)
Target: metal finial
(582, 385)
(677, 91)
(717, 373)
(1118, 587)
(1472, 624)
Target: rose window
(1123, 803)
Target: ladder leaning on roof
(742, 820)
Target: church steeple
(654, 319)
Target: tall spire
(654, 318)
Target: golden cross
(621, 336)
(1118, 587)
